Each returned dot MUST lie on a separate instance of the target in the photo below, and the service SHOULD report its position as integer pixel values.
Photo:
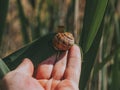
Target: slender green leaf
(91, 36)
(3, 69)
(94, 13)
(3, 14)
(17, 53)
(89, 59)
(37, 51)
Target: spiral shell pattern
(63, 41)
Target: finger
(44, 69)
(26, 67)
(59, 67)
(73, 68)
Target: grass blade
(94, 13)
(89, 59)
(3, 69)
(37, 51)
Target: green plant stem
(116, 72)
(37, 26)
(69, 16)
(102, 64)
(52, 18)
(3, 14)
(23, 21)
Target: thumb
(26, 67)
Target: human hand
(63, 74)
(21, 78)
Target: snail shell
(63, 41)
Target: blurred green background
(95, 25)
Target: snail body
(63, 41)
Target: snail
(63, 41)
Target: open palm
(62, 74)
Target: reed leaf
(89, 59)
(94, 13)
(37, 51)
(91, 36)
(3, 69)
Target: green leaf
(94, 13)
(89, 59)
(91, 36)
(3, 69)
(3, 14)
(37, 51)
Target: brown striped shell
(63, 41)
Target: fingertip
(76, 46)
(73, 69)
(27, 61)
(44, 69)
(26, 67)
(75, 52)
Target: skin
(51, 74)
